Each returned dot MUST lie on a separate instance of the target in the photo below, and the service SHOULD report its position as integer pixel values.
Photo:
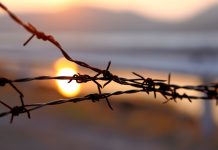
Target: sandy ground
(56, 134)
(52, 132)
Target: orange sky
(160, 9)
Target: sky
(157, 9)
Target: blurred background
(150, 37)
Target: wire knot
(94, 97)
(4, 81)
(16, 110)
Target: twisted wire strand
(90, 97)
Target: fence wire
(139, 83)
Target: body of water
(194, 53)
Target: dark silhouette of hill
(206, 20)
(88, 19)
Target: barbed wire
(140, 84)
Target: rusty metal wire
(139, 83)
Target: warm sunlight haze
(157, 9)
(65, 68)
(38, 6)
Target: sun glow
(159, 9)
(39, 6)
(65, 68)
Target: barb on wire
(3, 82)
(85, 78)
(139, 83)
(15, 111)
(149, 82)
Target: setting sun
(65, 68)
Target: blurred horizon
(96, 19)
(169, 10)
